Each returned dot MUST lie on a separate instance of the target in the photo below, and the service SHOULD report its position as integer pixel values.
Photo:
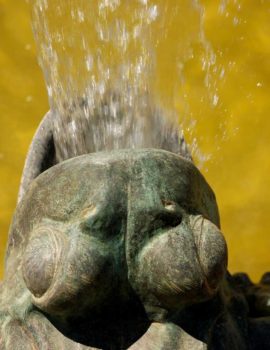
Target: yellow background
(235, 132)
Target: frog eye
(41, 259)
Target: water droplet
(153, 13)
(222, 73)
(137, 31)
(222, 7)
(108, 4)
(80, 16)
(49, 89)
(89, 62)
(215, 99)
(73, 126)
(235, 21)
(144, 2)
(29, 98)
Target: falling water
(102, 61)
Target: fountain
(116, 241)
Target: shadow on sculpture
(123, 250)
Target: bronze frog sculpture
(122, 250)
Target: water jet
(116, 241)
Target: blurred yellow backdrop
(233, 128)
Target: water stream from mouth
(103, 62)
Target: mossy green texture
(121, 250)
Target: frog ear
(41, 154)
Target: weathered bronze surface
(123, 250)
